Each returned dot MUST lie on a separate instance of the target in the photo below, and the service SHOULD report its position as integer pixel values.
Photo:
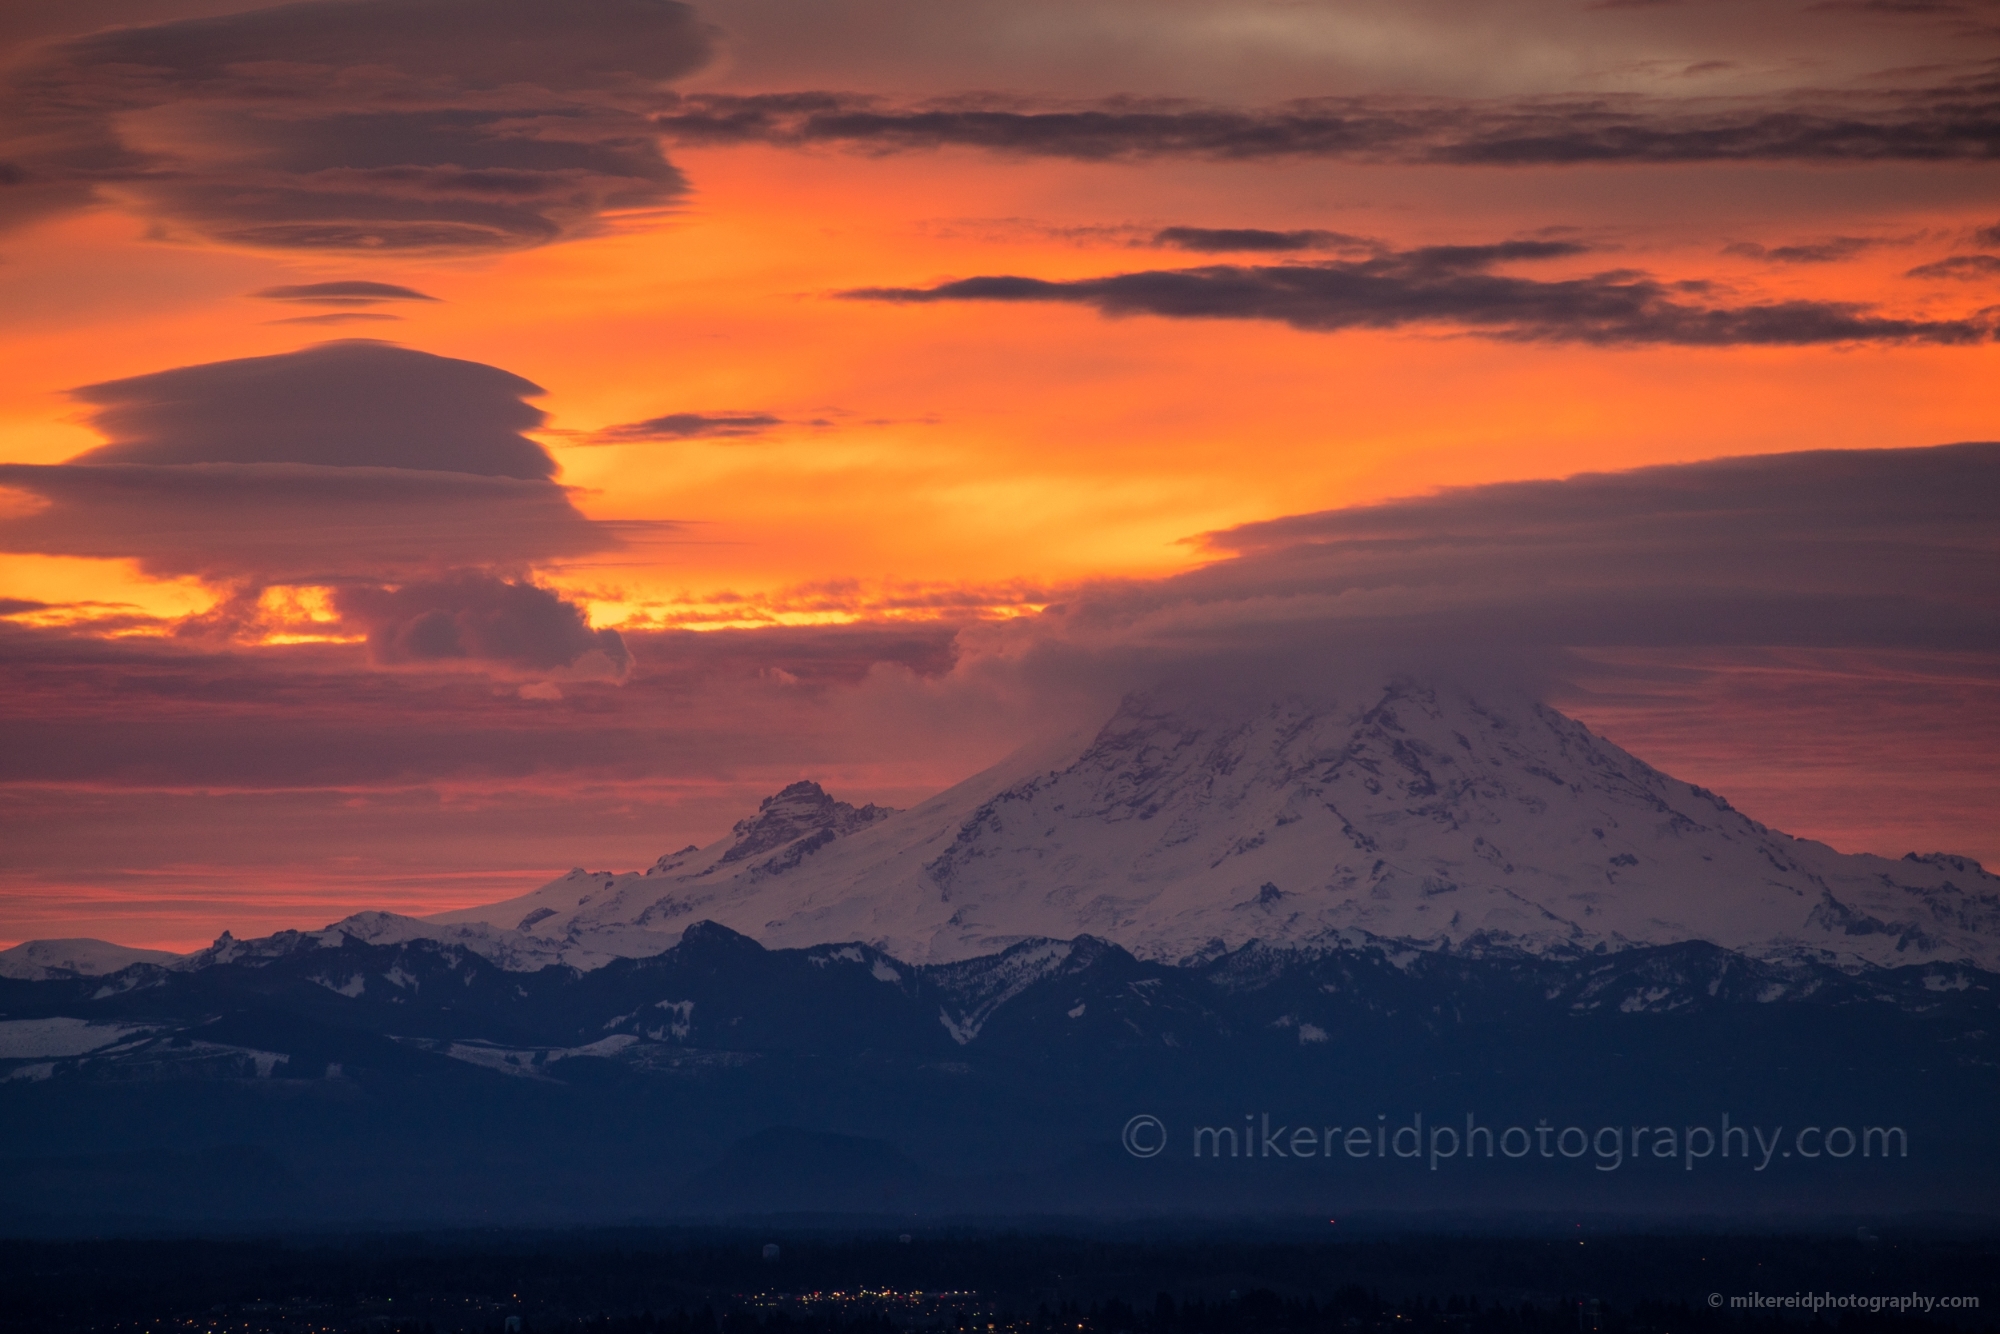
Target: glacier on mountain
(1419, 813)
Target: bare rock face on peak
(1427, 814)
(796, 823)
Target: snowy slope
(1408, 812)
(588, 918)
(43, 960)
(510, 949)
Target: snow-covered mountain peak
(1410, 816)
(1430, 814)
(1414, 812)
(587, 918)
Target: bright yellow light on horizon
(81, 588)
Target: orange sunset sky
(891, 357)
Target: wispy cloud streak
(1914, 125)
(1457, 287)
(689, 426)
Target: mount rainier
(1182, 829)
(1416, 901)
(1421, 814)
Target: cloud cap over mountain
(1851, 546)
(1865, 550)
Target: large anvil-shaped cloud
(430, 125)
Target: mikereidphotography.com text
(1436, 1143)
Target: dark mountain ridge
(420, 1080)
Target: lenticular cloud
(398, 479)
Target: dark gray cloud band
(1254, 240)
(412, 125)
(1918, 125)
(690, 426)
(80, 709)
(1456, 286)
